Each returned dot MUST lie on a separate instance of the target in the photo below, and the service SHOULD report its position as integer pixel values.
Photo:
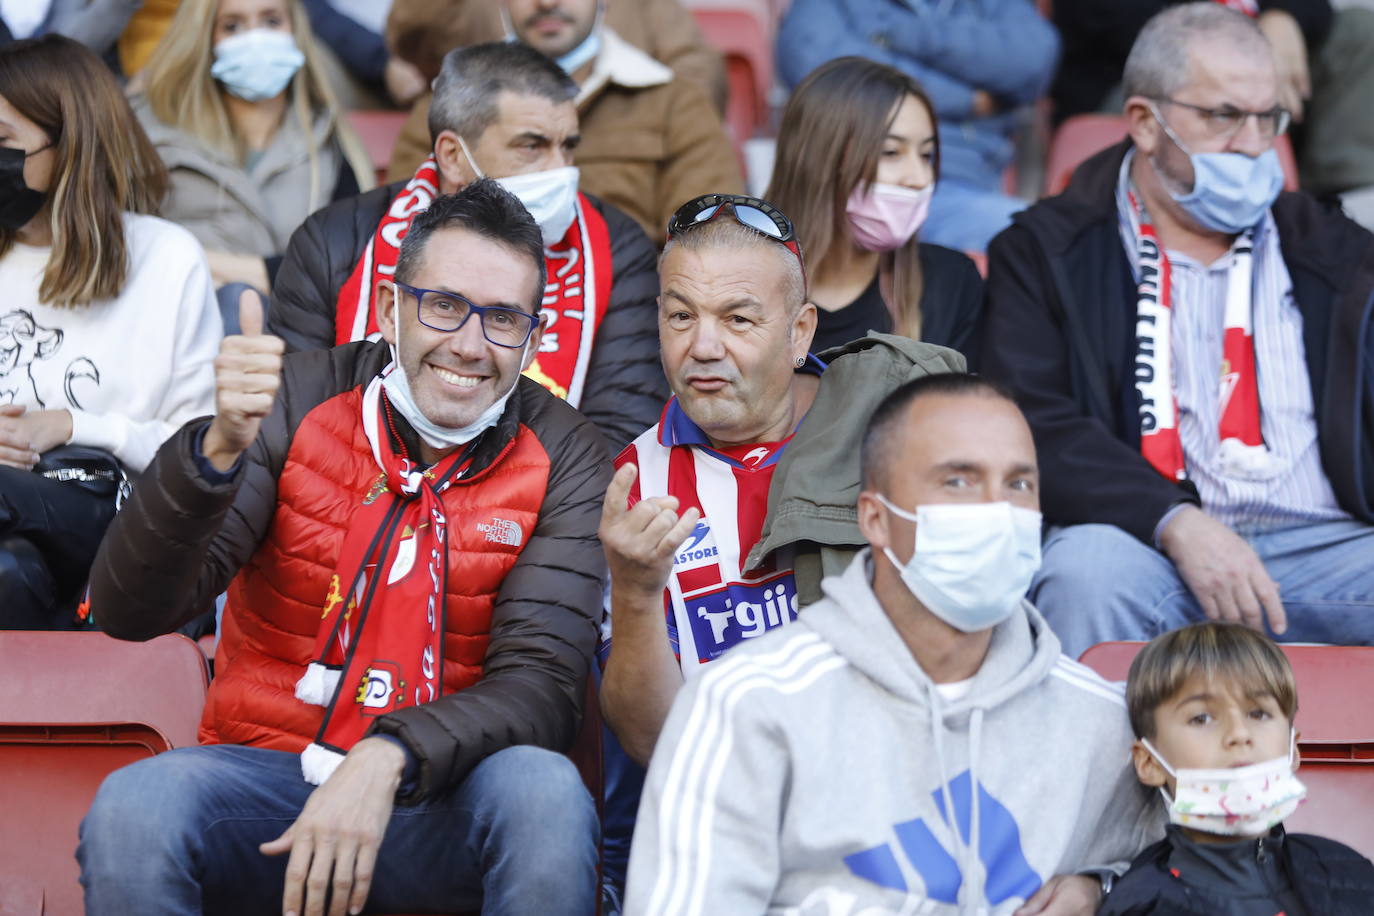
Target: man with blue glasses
(407, 531)
(1193, 350)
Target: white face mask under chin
(1238, 801)
(972, 562)
(398, 393)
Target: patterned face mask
(1239, 801)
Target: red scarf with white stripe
(1238, 387)
(1248, 7)
(380, 643)
(576, 294)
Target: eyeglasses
(445, 311)
(750, 212)
(1228, 120)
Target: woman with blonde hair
(108, 330)
(238, 108)
(857, 161)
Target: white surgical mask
(550, 196)
(1233, 801)
(257, 64)
(398, 393)
(972, 562)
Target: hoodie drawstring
(975, 741)
(971, 883)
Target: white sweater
(131, 369)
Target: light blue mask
(590, 47)
(257, 64)
(1231, 191)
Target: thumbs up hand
(247, 374)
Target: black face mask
(19, 203)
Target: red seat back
(77, 706)
(1081, 136)
(378, 130)
(743, 31)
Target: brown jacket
(182, 537)
(423, 31)
(650, 141)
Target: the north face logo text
(503, 531)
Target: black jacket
(1098, 34)
(1328, 878)
(1060, 331)
(625, 389)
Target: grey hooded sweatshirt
(810, 772)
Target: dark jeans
(179, 834)
(49, 533)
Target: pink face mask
(884, 217)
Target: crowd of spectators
(824, 490)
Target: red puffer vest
(276, 600)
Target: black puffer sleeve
(319, 259)
(626, 388)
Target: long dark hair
(831, 136)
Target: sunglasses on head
(750, 212)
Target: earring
(801, 361)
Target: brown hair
(103, 165)
(1215, 650)
(831, 136)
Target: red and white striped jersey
(711, 603)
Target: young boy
(1212, 706)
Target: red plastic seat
(1081, 136)
(378, 130)
(1335, 726)
(743, 31)
(78, 706)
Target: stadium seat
(77, 706)
(743, 31)
(1083, 135)
(1335, 726)
(378, 130)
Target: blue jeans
(179, 833)
(966, 217)
(1098, 583)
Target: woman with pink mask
(857, 162)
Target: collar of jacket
(622, 64)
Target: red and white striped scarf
(1240, 432)
(380, 642)
(576, 294)
(1248, 7)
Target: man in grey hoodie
(813, 770)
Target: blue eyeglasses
(445, 311)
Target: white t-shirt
(131, 369)
(954, 691)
